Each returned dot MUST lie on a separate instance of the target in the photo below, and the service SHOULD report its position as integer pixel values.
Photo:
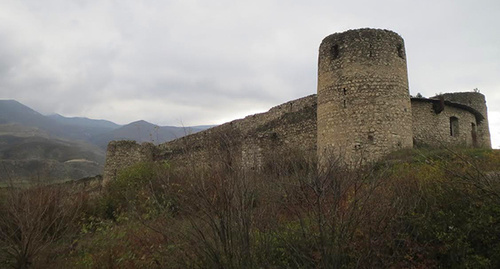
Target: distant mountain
(45, 171)
(47, 159)
(97, 132)
(143, 131)
(84, 122)
(17, 129)
(13, 112)
(81, 128)
(60, 148)
(23, 148)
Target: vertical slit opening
(454, 126)
(335, 51)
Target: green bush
(451, 216)
(143, 188)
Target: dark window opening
(474, 134)
(371, 138)
(335, 51)
(401, 53)
(454, 126)
(345, 91)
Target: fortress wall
(244, 142)
(364, 108)
(476, 101)
(362, 111)
(283, 123)
(122, 154)
(294, 131)
(432, 129)
(221, 143)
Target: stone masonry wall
(259, 139)
(433, 129)
(246, 142)
(122, 154)
(292, 131)
(362, 111)
(476, 101)
(364, 106)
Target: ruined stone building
(362, 111)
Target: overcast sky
(194, 62)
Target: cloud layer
(188, 62)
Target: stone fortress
(362, 112)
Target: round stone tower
(476, 101)
(364, 109)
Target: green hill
(35, 158)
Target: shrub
(143, 188)
(422, 208)
(34, 218)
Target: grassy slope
(417, 209)
(34, 158)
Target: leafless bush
(343, 212)
(221, 210)
(238, 215)
(294, 214)
(32, 219)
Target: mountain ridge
(94, 131)
(66, 148)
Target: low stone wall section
(431, 124)
(476, 101)
(122, 154)
(245, 143)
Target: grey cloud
(206, 61)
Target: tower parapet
(364, 109)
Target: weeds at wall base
(426, 210)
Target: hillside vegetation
(35, 158)
(416, 209)
(35, 147)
